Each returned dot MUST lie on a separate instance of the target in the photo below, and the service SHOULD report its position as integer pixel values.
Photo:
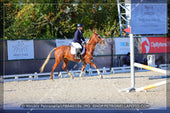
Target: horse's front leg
(65, 62)
(82, 69)
(92, 64)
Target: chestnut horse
(64, 53)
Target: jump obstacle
(152, 69)
(152, 86)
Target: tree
(58, 19)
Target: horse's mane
(90, 38)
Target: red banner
(155, 45)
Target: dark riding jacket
(78, 37)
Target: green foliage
(31, 19)
(27, 19)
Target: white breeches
(76, 45)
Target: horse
(63, 53)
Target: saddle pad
(73, 50)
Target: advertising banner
(20, 49)
(60, 42)
(122, 46)
(155, 45)
(149, 17)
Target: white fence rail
(63, 74)
(164, 66)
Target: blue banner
(148, 17)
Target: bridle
(98, 41)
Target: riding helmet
(79, 25)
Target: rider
(78, 40)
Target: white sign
(20, 49)
(60, 42)
(149, 17)
(122, 46)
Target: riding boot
(77, 56)
(81, 59)
(80, 56)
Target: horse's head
(97, 38)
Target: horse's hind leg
(65, 62)
(53, 68)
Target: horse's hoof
(81, 77)
(52, 79)
(101, 77)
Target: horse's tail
(46, 61)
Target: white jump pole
(152, 86)
(150, 68)
(132, 88)
(132, 62)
